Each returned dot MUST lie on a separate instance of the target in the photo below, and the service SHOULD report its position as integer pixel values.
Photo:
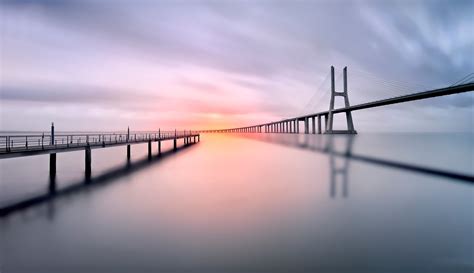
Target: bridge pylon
(345, 95)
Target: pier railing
(26, 142)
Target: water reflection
(340, 171)
(238, 205)
(341, 146)
(84, 185)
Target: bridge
(292, 125)
(19, 145)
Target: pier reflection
(84, 185)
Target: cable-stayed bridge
(292, 125)
(19, 145)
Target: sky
(105, 65)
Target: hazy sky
(104, 65)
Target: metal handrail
(42, 141)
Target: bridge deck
(20, 145)
(406, 98)
(400, 99)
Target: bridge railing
(18, 142)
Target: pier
(20, 145)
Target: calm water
(271, 203)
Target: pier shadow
(86, 184)
(326, 144)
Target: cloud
(264, 57)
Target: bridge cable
(314, 96)
(466, 79)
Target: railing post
(52, 133)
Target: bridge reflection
(326, 144)
(340, 171)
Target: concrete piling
(88, 163)
(128, 152)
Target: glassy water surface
(248, 203)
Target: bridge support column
(326, 122)
(306, 125)
(128, 152)
(297, 124)
(344, 94)
(88, 163)
(314, 125)
(319, 124)
(52, 172)
(149, 149)
(174, 141)
(159, 147)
